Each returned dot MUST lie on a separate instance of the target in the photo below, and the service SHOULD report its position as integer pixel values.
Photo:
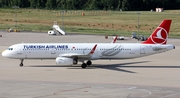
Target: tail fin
(114, 39)
(160, 34)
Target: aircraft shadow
(118, 67)
(114, 67)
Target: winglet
(92, 51)
(160, 34)
(114, 39)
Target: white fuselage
(71, 53)
(103, 50)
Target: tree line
(125, 5)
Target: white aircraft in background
(71, 53)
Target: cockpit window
(10, 48)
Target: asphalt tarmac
(155, 76)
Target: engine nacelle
(64, 61)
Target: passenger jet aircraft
(71, 53)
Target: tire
(21, 65)
(83, 65)
(89, 63)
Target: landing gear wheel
(84, 65)
(88, 62)
(21, 65)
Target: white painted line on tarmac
(149, 92)
(132, 87)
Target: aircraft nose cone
(4, 54)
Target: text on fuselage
(45, 46)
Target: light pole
(15, 7)
(62, 12)
(138, 20)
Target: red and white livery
(72, 53)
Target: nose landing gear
(21, 64)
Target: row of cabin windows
(76, 49)
(115, 49)
(57, 49)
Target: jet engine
(64, 61)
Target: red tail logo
(160, 35)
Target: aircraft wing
(84, 56)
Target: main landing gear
(21, 64)
(84, 65)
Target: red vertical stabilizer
(160, 34)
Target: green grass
(94, 22)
